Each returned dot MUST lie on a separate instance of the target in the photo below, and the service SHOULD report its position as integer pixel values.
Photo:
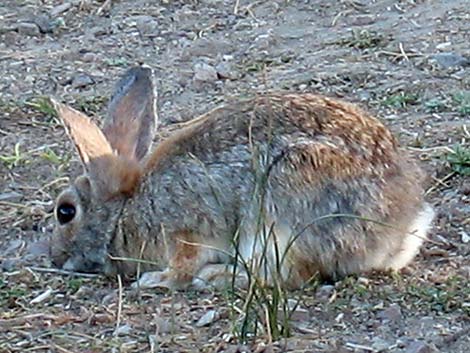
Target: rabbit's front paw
(155, 279)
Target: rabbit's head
(88, 211)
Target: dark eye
(65, 213)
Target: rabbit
(285, 187)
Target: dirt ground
(407, 61)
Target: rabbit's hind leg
(220, 276)
(415, 236)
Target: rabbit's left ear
(109, 173)
(89, 140)
(132, 118)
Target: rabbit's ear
(130, 125)
(110, 174)
(89, 140)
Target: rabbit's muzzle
(90, 261)
(84, 264)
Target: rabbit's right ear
(132, 118)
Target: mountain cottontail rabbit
(286, 185)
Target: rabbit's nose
(83, 265)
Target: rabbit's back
(308, 168)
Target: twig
(432, 149)
(63, 272)
(105, 6)
(392, 53)
(119, 309)
(235, 8)
(360, 346)
(268, 324)
(439, 182)
(12, 204)
(41, 297)
(62, 349)
(464, 128)
(402, 51)
(55, 181)
(141, 254)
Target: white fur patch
(416, 236)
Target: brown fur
(328, 157)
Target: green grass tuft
(459, 160)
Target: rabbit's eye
(65, 213)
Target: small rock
(44, 23)
(11, 196)
(123, 330)
(391, 314)
(363, 20)
(465, 237)
(225, 71)
(163, 325)
(147, 26)
(442, 46)
(82, 80)
(298, 314)
(110, 298)
(237, 348)
(287, 31)
(11, 264)
(362, 280)
(28, 29)
(447, 60)
(466, 188)
(101, 319)
(60, 9)
(89, 57)
(325, 292)
(205, 72)
(465, 271)
(208, 318)
(14, 247)
(380, 345)
(420, 347)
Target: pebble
(380, 345)
(363, 20)
(147, 26)
(11, 196)
(44, 24)
(391, 314)
(420, 347)
(55, 11)
(450, 59)
(10, 264)
(225, 71)
(123, 330)
(465, 237)
(89, 57)
(324, 293)
(14, 246)
(82, 80)
(205, 72)
(208, 318)
(28, 29)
